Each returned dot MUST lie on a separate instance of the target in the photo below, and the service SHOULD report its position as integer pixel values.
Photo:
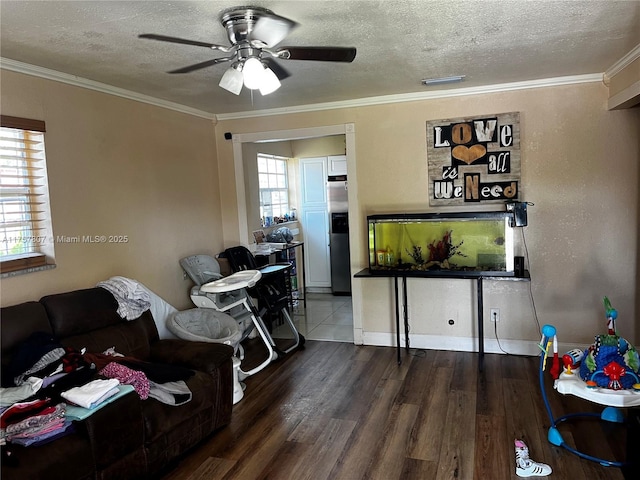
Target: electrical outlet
(495, 314)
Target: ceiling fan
(254, 33)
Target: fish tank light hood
(479, 242)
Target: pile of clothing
(34, 423)
(165, 383)
(47, 386)
(33, 410)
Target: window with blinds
(25, 223)
(274, 188)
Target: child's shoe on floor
(525, 467)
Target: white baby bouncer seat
(200, 325)
(228, 295)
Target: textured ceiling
(398, 42)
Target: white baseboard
(318, 290)
(462, 344)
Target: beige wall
(579, 167)
(161, 178)
(319, 147)
(119, 167)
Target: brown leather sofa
(129, 438)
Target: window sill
(20, 264)
(24, 271)
(282, 224)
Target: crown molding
(623, 63)
(20, 67)
(417, 96)
(627, 98)
(48, 74)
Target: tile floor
(327, 317)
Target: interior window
(274, 188)
(25, 219)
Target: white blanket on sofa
(134, 299)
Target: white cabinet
(337, 164)
(315, 221)
(313, 186)
(316, 252)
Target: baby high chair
(229, 295)
(272, 291)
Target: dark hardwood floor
(340, 411)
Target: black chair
(272, 291)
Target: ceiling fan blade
(164, 38)
(198, 66)
(271, 29)
(275, 67)
(323, 54)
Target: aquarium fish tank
(430, 242)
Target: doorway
(323, 304)
(327, 318)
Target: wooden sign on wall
(474, 159)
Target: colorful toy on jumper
(549, 334)
(611, 362)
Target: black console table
(479, 277)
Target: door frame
(356, 237)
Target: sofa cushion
(207, 357)
(171, 430)
(211, 358)
(18, 323)
(89, 319)
(81, 311)
(67, 457)
(128, 337)
(115, 431)
(160, 418)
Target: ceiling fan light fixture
(442, 80)
(232, 80)
(270, 82)
(253, 72)
(254, 33)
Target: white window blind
(274, 187)
(24, 205)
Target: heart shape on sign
(468, 155)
